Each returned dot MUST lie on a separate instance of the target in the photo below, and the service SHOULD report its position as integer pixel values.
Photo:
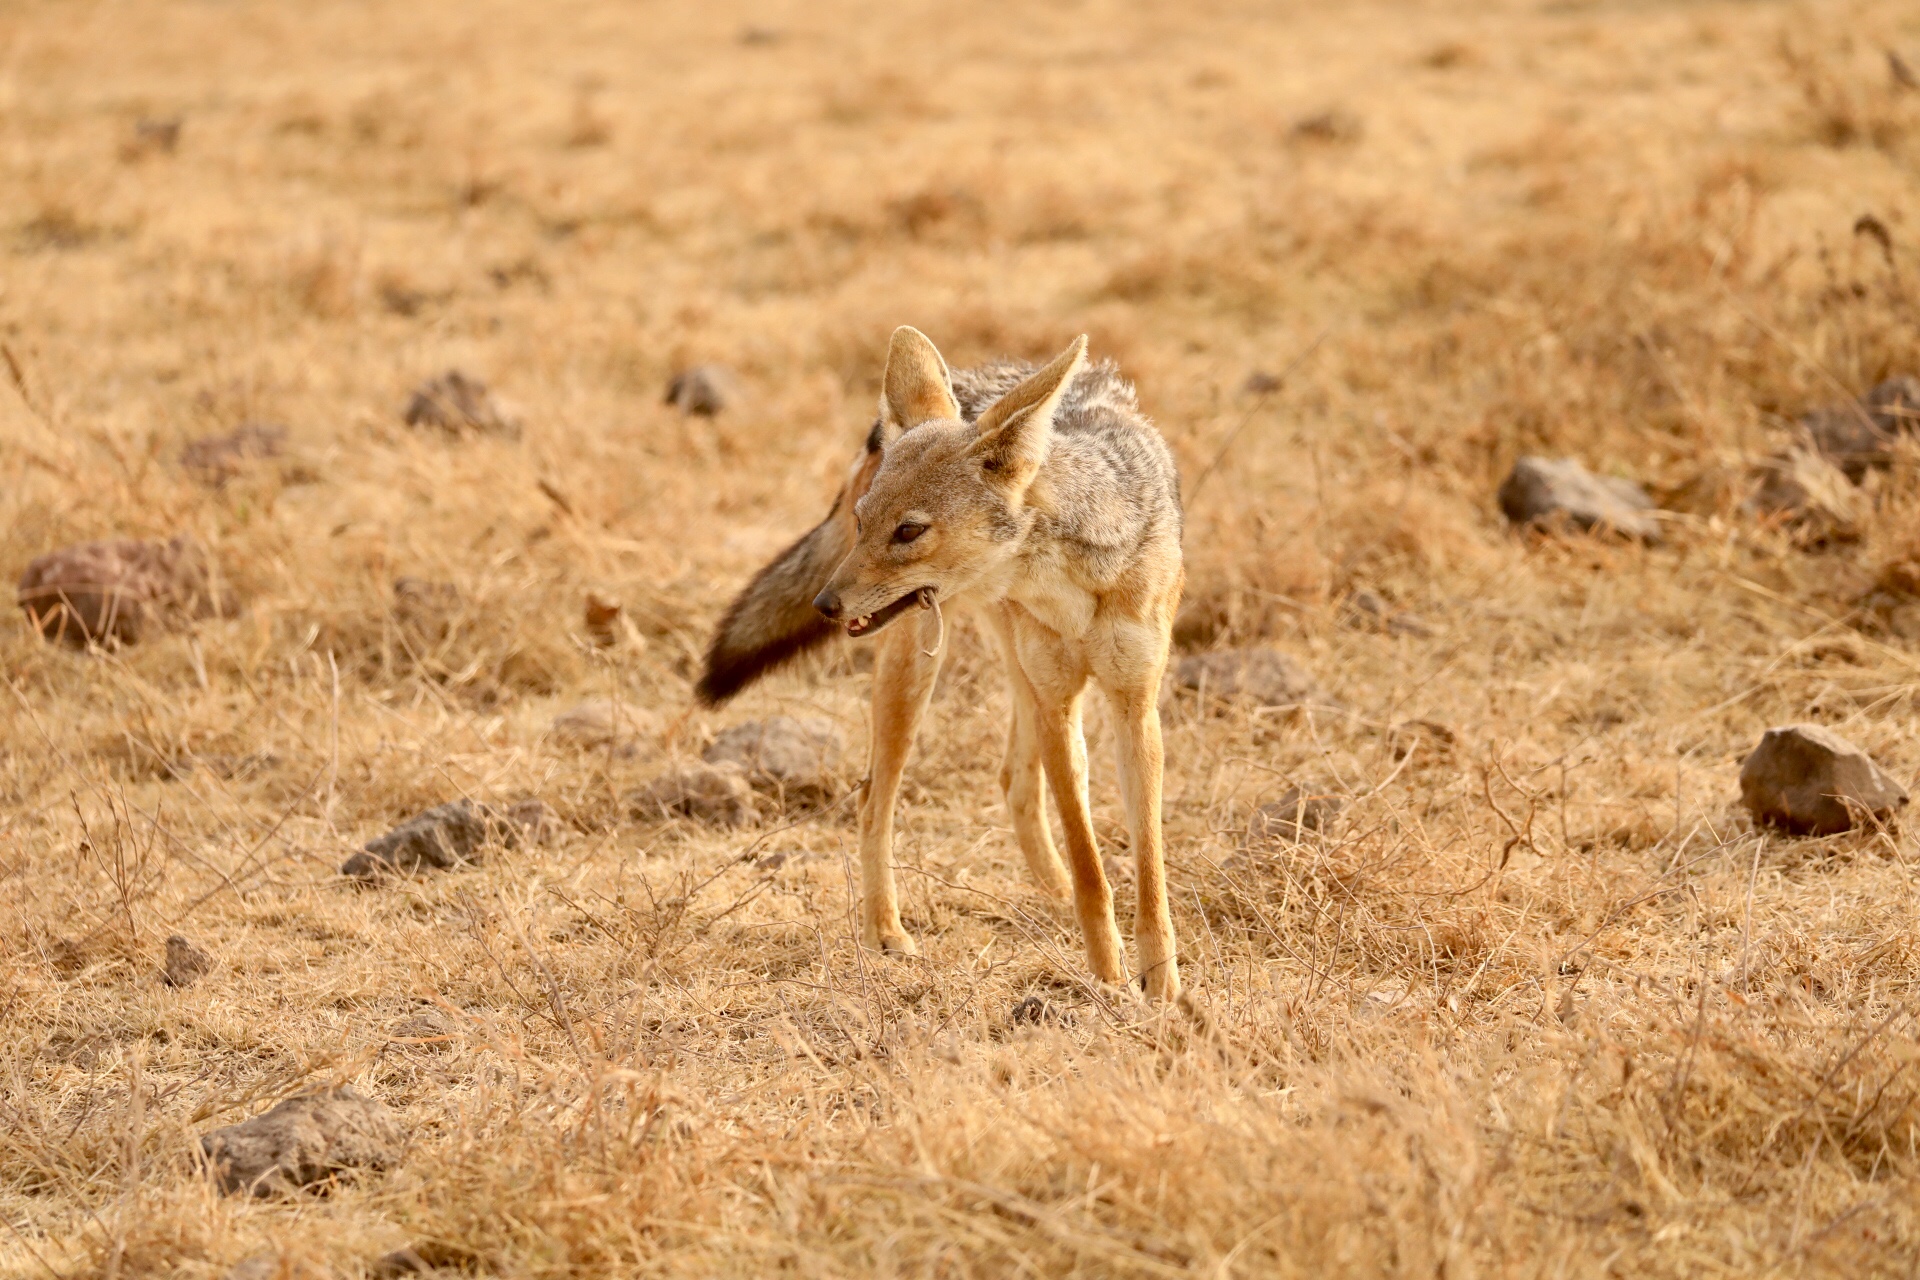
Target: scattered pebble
(602, 724)
(602, 617)
(401, 1262)
(214, 460)
(1036, 1011)
(445, 836)
(705, 389)
(1296, 815)
(118, 591)
(186, 963)
(460, 404)
(1369, 610)
(427, 1024)
(714, 793)
(274, 1266)
(1807, 779)
(1545, 492)
(794, 757)
(426, 610)
(302, 1141)
(1434, 738)
(1261, 676)
(1336, 125)
(1859, 437)
(1804, 491)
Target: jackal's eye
(908, 532)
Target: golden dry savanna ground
(1541, 1002)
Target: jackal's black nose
(828, 603)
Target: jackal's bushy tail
(773, 621)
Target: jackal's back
(1112, 495)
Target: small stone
(158, 134)
(458, 404)
(1808, 494)
(427, 1025)
(712, 793)
(705, 389)
(1860, 436)
(1037, 1010)
(1428, 736)
(602, 616)
(116, 592)
(602, 724)
(445, 836)
(186, 963)
(789, 756)
(538, 824)
(1850, 438)
(1547, 491)
(426, 611)
(1263, 677)
(214, 460)
(1297, 814)
(1809, 780)
(1260, 383)
(1895, 405)
(1369, 610)
(303, 1140)
(401, 1262)
(274, 1266)
(1336, 125)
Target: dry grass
(1543, 1003)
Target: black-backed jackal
(1044, 500)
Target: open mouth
(867, 624)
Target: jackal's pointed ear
(917, 387)
(1016, 429)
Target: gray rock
(1370, 611)
(1895, 405)
(401, 1262)
(1806, 492)
(425, 610)
(712, 793)
(460, 404)
(1037, 1010)
(1297, 814)
(1260, 676)
(1559, 491)
(1860, 437)
(1809, 780)
(116, 592)
(601, 724)
(533, 821)
(447, 835)
(303, 1140)
(426, 1025)
(277, 1266)
(705, 389)
(186, 963)
(795, 757)
(214, 460)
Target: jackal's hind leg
(1141, 763)
(903, 676)
(1023, 779)
(1131, 679)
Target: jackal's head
(952, 500)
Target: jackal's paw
(895, 941)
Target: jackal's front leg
(903, 676)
